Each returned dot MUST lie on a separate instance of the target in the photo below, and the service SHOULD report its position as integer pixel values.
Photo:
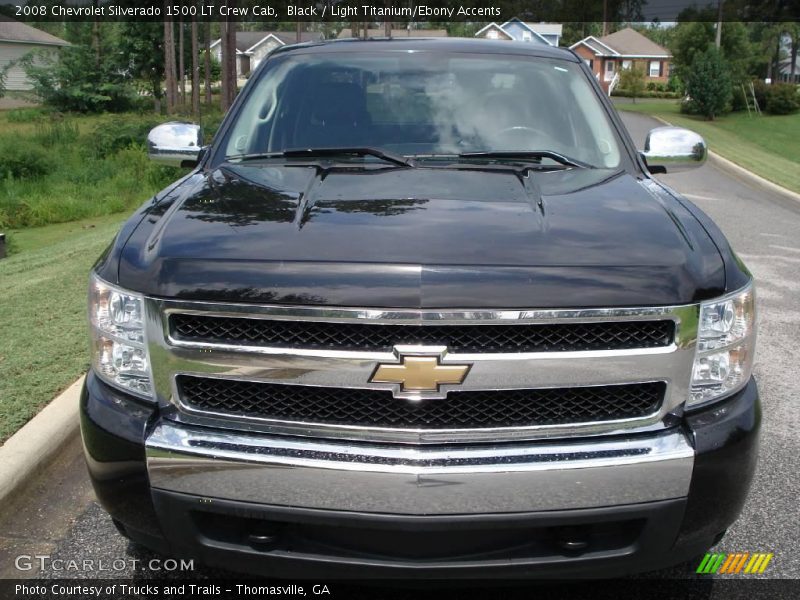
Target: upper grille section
(469, 338)
(460, 410)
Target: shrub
(24, 159)
(623, 93)
(709, 84)
(115, 134)
(738, 100)
(675, 84)
(651, 86)
(782, 99)
(760, 89)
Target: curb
(731, 167)
(31, 449)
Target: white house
(17, 40)
(517, 30)
(253, 46)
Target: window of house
(627, 64)
(590, 63)
(526, 36)
(492, 34)
(655, 68)
(610, 66)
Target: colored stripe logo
(736, 563)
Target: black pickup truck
(420, 310)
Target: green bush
(651, 86)
(760, 89)
(738, 100)
(675, 84)
(623, 93)
(782, 99)
(709, 84)
(21, 158)
(117, 133)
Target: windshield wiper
(390, 157)
(526, 154)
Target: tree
(169, 66)
(195, 72)
(228, 46)
(693, 38)
(709, 84)
(73, 81)
(140, 48)
(207, 60)
(632, 81)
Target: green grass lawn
(43, 335)
(767, 145)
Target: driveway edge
(732, 168)
(30, 450)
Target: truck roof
(467, 45)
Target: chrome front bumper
(420, 480)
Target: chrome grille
(469, 338)
(460, 410)
(534, 374)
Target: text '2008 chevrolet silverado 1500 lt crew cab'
(421, 310)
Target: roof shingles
(14, 31)
(629, 42)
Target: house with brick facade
(626, 48)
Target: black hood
(423, 238)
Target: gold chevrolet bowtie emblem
(419, 374)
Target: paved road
(59, 517)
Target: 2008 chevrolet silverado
(420, 309)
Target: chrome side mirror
(673, 149)
(175, 144)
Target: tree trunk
(777, 59)
(156, 91)
(793, 65)
(207, 53)
(195, 73)
(96, 37)
(298, 32)
(181, 65)
(169, 66)
(228, 63)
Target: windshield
(423, 104)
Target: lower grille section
(460, 410)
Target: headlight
(726, 338)
(119, 346)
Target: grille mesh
(378, 408)
(473, 338)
